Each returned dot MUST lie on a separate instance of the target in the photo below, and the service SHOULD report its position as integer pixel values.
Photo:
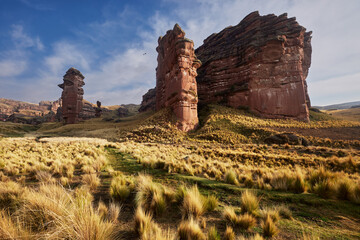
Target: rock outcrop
(175, 77)
(98, 110)
(72, 95)
(261, 63)
(148, 101)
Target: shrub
(249, 202)
(190, 230)
(356, 195)
(269, 228)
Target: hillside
(352, 114)
(339, 106)
(307, 184)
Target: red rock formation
(72, 95)
(261, 63)
(175, 77)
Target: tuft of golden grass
(193, 203)
(91, 180)
(249, 202)
(229, 233)
(190, 230)
(213, 234)
(149, 195)
(245, 221)
(231, 177)
(210, 203)
(272, 212)
(269, 228)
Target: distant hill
(340, 106)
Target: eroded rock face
(148, 101)
(72, 95)
(175, 77)
(261, 63)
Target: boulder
(286, 138)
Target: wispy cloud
(37, 5)
(117, 55)
(22, 40)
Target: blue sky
(106, 40)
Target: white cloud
(124, 75)
(11, 68)
(22, 40)
(66, 55)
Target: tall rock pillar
(72, 95)
(176, 85)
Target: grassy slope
(226, 129)
(352, 114)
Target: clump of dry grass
(249, 202)
(190, 230)
(229, 233)
(231, 177)
(12, 230)
(11, 194)
(244, 221)
(146, 228)
(269, 228)
(150, 195)
(44, 177)
(120, 187)
(193, 203)
(210, 203)
(272, 212)
(213, 234)
(91, 180)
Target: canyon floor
(67, 181)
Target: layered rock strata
(72, 95)
(175, 77)
(261, 63)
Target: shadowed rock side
(72, 95)
(261, 63)
(175, 77)
(148, 101)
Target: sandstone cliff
(261, 63)
(175, 77)
(72, 95)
